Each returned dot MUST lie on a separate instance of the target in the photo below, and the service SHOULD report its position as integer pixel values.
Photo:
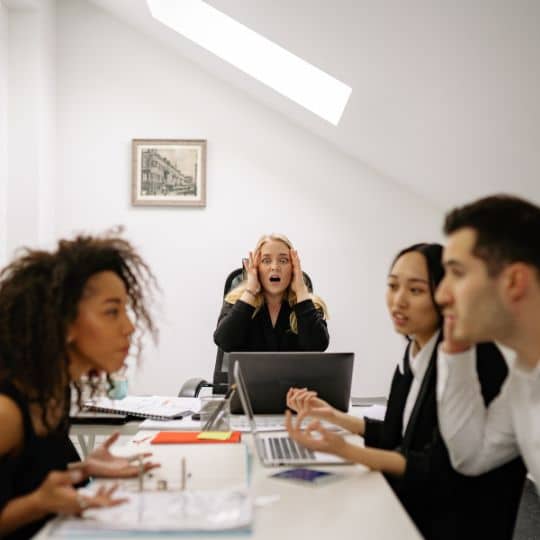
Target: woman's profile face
(100, 336)
(408, 297)
(275, 268)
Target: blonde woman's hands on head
(306, 402)
(298, 285)
(101, 462)
(315, 436)
(252, 269)
(56, 495)
(253, 285)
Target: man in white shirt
(491, 291)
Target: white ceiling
(445, 93)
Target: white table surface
(358, 505)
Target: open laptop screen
(269, 375)
(244, 397)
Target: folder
(191, 437)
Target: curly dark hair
(39, 297)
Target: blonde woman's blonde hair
(233, 296)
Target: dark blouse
(237, 329)
(443, 503)
(23, 473)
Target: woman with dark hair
(407, 445)
(65, 315)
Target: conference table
(358, 504)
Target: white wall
(3, 126)
(264, 174)
(31, 124)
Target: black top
(237, 330)
(443, 503)
(23, 473)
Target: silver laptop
(277, 450)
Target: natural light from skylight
(257, 56)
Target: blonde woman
(272, 309)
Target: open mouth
(275, 279)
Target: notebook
(191, 437)
(93, 417)
(276, 450)
(154, 407)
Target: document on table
(238, 422)
(229, 464)
(165, 511)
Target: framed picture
(168, 172)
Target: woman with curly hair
(65, 315)
(272, 308)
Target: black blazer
(238, 330)
(443, 503)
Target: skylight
(257, 56)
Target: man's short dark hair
(507, 230)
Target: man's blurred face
(469, 296)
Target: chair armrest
(192, 387)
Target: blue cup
(119, 389)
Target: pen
(219, 408)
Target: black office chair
(220, 383)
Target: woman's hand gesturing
(58, 496)
(306, 403)
(101, 462)
(315, 436)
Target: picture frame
(168, 172)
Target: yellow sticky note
(215, 435)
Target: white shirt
(419, 365)
(480, 439)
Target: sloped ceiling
(446, 94)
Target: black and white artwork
(169, 172)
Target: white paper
(165, 511)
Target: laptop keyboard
(285, 449)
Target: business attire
(238, 330)
(24, 472)
(443, 503)
(480, 439)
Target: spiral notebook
(153, 407)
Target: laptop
(269, 376)
(276, 450)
